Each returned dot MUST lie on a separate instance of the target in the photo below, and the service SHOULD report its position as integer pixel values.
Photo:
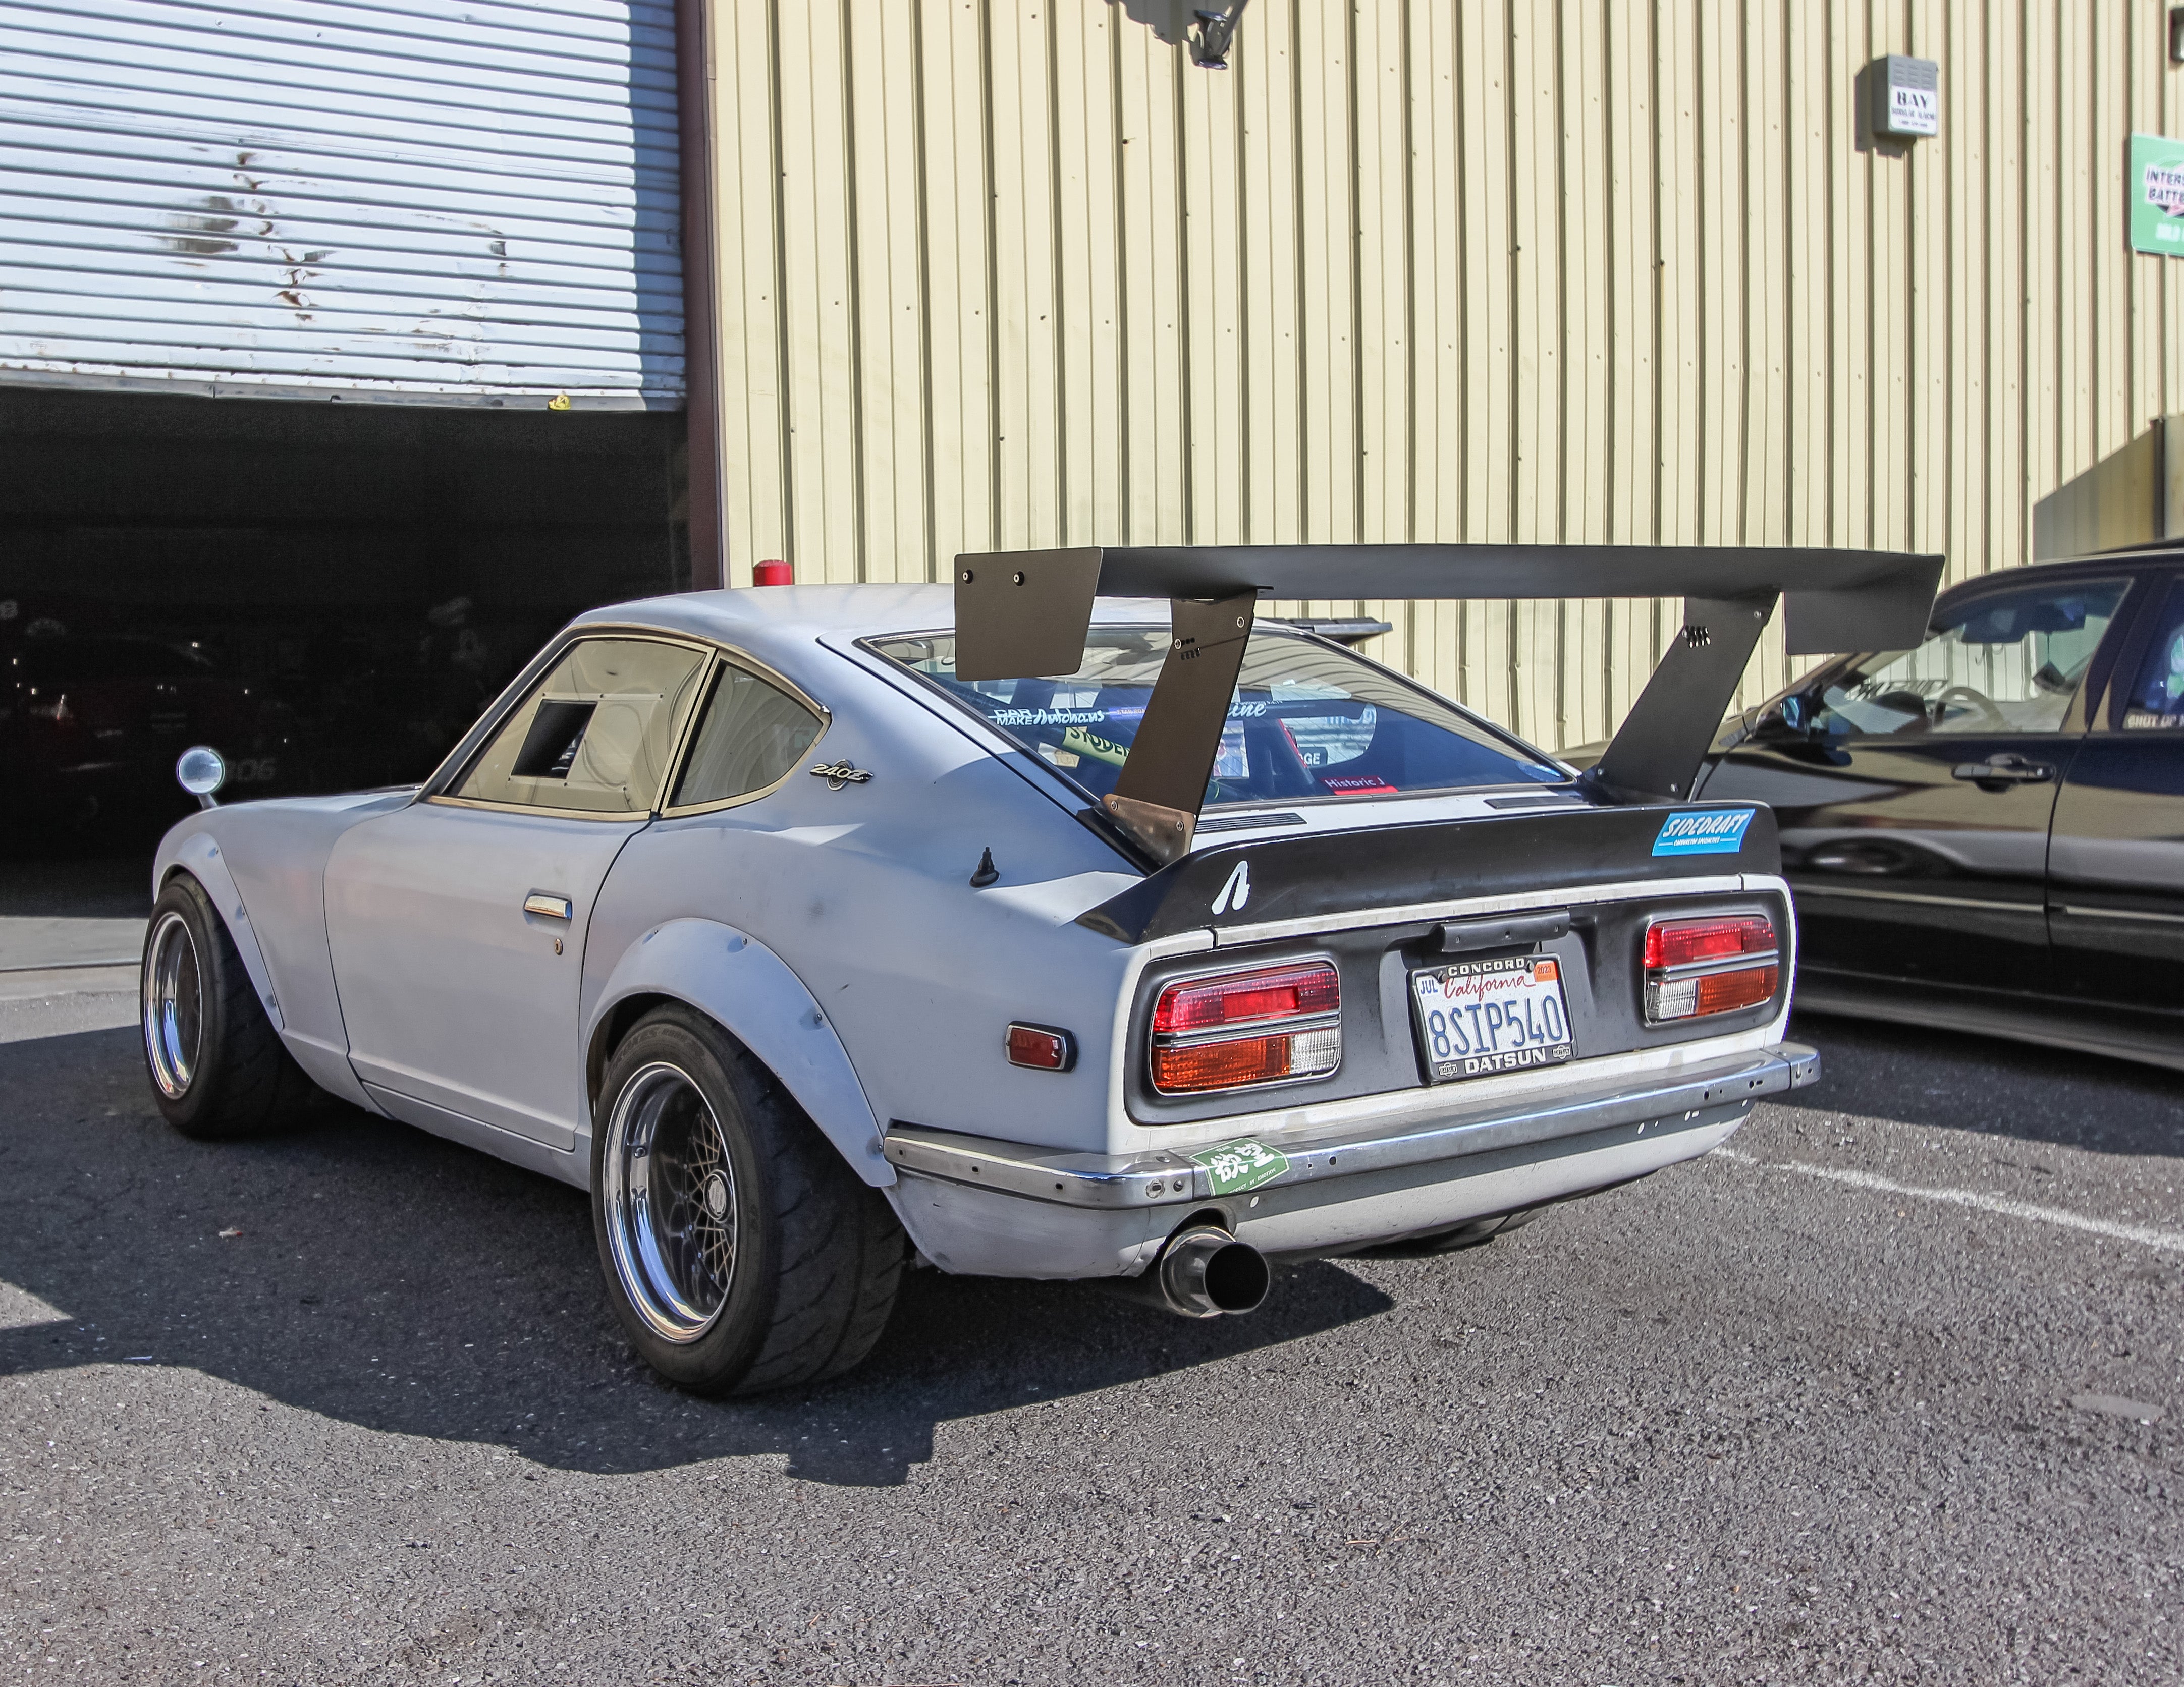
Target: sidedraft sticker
(1714, 832)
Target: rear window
(1307, 720)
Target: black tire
(217, 1066)
(740, 1253)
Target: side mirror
(1793, 719)
(201, 772)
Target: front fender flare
(736, 980)
(199, 856)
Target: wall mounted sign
(1907, 96)
(2156, 178)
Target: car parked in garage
(1986, 830)
(1035, 928)
(90, 727)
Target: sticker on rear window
(1716, 831)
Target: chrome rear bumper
(1165, 1177)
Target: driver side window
(594, 736)
(2006, 662)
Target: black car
(1987, 832)
(90, 728)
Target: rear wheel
(217, 1066)
(740, 1253)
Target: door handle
(553, 907)
(2003, 769)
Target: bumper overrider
(980, 1205)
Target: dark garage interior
(326, 592)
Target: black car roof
(2138, 558)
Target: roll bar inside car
(1022, 615)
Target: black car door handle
(2004, 770)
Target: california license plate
(1480, 1016)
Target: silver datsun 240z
(1070, 922)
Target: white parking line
(2145, 1236)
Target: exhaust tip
(1205, 1273)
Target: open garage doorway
(328, 592)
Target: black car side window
(2155, 700)
(2006, 662)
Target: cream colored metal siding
(1014, 274)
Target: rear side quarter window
(750, 737)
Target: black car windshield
(1307, 720)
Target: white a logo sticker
(1237, 892)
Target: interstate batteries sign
(2157, 195)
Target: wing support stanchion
(1657, 750)
(1163, 785)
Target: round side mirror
(201, 771)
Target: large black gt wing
(1024, 613)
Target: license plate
(1479, 1017)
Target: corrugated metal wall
(454, 200)
(1009, 273)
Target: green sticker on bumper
(1236, 1167)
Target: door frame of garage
(694, 87)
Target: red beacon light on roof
(773, 572)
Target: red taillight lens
(1246, 999)
(1684, 943)
(1294, 1028)
(1696, 967)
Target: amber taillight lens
(1263, 1027)
(1721, 964)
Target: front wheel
(740, 1253)
(217, 1066)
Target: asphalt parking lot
(1890, 1392)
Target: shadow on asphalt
(400, 1283)
(1953, 1081)
(104, 881)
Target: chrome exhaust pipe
(1203, 1272)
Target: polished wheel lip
(670, 1205)
(173, 996)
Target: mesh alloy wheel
(670, 1195)
(173, 991)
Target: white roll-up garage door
(436, 201)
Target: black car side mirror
(1794, 719)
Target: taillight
(1267, 1026)
(1720, 964)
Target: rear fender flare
(199, 856)
(737, 981)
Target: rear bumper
(981, 1205)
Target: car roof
(2137, 557)
(797, 614)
